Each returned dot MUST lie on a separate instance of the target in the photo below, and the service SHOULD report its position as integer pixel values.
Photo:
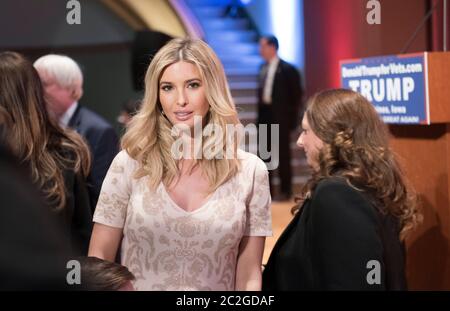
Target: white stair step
(247, 85)
(211, 24)
(248, 100)
(248, 115)
(203, 12)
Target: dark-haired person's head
(129, 109)
(102, 275)
(344, 136)
(268, 47)
(32, 136)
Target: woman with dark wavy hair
(355, 211)
(57, 160)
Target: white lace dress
(168, 248)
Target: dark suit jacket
(104, 145)
(330, 241)
(287, 96)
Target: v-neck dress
(168, 248)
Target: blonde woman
(189, 223)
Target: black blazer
(103, 143)
(287, 94)
(330, 241)
(34, 249)
(76, 216)
(74, 220)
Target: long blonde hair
(34, 138)
(356, 147)
(148, 139)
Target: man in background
(279, 102)
(63, 83)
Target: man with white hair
(63, 84)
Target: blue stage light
(287, 26)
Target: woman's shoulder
(124, 157)
(335, 183)
(339, 189)
(251, 161)
(336, 192)
(124, 161)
